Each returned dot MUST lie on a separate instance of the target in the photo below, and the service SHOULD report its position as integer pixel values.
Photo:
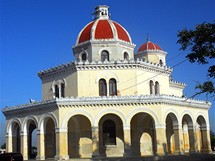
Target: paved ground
(193, 157)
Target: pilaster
(40, 145)
(127, 141)
(24, 145)
(9, 143)
(178, 139)
(161, 139)
(61, 144)
(95, 140)
(192, 139)
(206, 143)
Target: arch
(9, 125)
(109, 111)
(102, 87)
(126, 56)
(190, 118)
(81, 55)
(77, 112)
(142, 110)
(151, 87)
(112, 87)
(203, 115)
(157, 87)
(25, 122)
(174, 112)
(42, 120)
(105, 56)
(107, 75)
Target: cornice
(113, 64)
(83, 102)
(177, 84)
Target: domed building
(109, 102)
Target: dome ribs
(103, 30)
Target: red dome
(149, 46)
(103, 29)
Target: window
(104, 55)
(112, 87)
(62, 90)
(157, 90)
(161, 62)
(84, 57)
(151, 86)
(56, 91)
(102, 87)
(109, 133)
(126, 56)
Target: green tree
(212, 139)
(3, 146)
(200, 45)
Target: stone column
(40, 145)
(9, 142)
(95, 140)
(161, 139)
(192, 139)
(178, 139)
(127, 141)
(61, 144)
(206, 143)
(24, 145)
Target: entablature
(105, 101)
(95, 65)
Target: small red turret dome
(103, 28)
(149, 46)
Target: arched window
(56, 91)
(102, 87)
(62, 90)
(126, 56)
(104, 55)
(151, 86)
(157, 88)
(112, 87)
(161, 62)
(84, 57)
(109, 133)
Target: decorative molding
(108, 101)
(112, 65)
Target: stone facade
(124, 106)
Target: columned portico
(61, 144)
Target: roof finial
(148, 38)
(101, 12)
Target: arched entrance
(16, 140)
(79, 137)
(32, 138)
(172, 133)
(50, 140)
(201, 134)
(111, 137)
(143, 136)
(188, 134)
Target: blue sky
(38, 34)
